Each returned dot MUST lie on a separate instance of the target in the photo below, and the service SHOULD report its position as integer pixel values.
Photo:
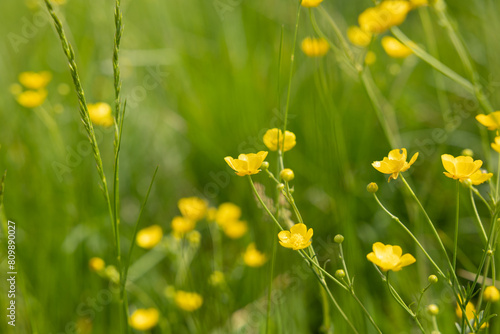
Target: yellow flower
(144, 319)
(395, 48)
(34, 80)
(314, 47)
(491, 121)
(149, 237)
(181, 225)
(235, 229)
(247, 164)
(310, 3)
(254, 258)
(216, 278)
(396, 11)
(193, 208)
(388, 257)
(370, 58)
(384, 16)
(273, 139)
(496, 144)
(460, 168)
(358, 36)
(194, 237)
(491, 294)
(32, 98)
(96, 264)
(394, 163)
(479, 177)
(100, 114)
(418, 3)
(188, 301)
(226, 213)
(297, 238)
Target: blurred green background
(202, 81)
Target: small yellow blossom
(96, 264)
(193, 208)
(273, 139)
(226, 213)
(247, 164)
(314, 47)
(370, 58)
(32, 98)
(496, 144)
(100, 114)
(491, 121)
(34, 80)
(480, 177)
(395, 11)
(358, 36)
(388, 257)
(253, 257)
(384, 16)
(470, 311)
(181, 225)
(149, 237)
(297, 238)
(216, 278)
(460, 168)
(235, 229)
(418, 3)
(395, 48)
(311, 3)
(491, 294)
(194, 237)
(144, 319)
(188, 301)
(394, 163)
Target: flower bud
(467, 152)
(280, 186)
(372, 187)
(264, 165)
(491, 294)
(340, 274)
(433, 309)
(432, 279)
(489, 252)
(467, 183)
(339, 238)
(287, 174)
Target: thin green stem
(457, 219)
(479, 224)
(326, 273)
(263, 204)
(366, 311)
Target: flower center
(296, 239)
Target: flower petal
(299, 229)
(449, 164)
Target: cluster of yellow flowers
(228, 218)
(314, 47)
(192, 209)
(35, 84)
(492, 122)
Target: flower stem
(479, 224)
(455, 240)
(263, 204)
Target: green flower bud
(432, 279)
(433, 309)
(265, 165)
(287, 174)
(339, 238)
(340, 274)
(372, 187)
(280, 186)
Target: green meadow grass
(200, 85)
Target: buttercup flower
(34, 80)
(460, 168)
(418, 3)
(491, 121)
(297, 238)
(216, 278)
(395, 48)
(100, 114)
(144, 319)
(496, 144)
(394, 163)
(388, 257)
(370, 58)
(247, 164)
(310, 3)
(149, 237)
(31, 98)
(193, 208)
(96, 264)
(254, 258)
(314, 47)
(358, 36)
(273, 139)
(384, 16)
(491, 294)
(182, 225)
(226, 213)
(235, 229)
(479, 177)
(188, 301)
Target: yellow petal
(449, 164)
(299, 228)
(396, 250)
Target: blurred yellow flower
(31, 98)
(460, 168)
(388, 257)
(254, 258)
(310, 3)
(216, 278)
(358, 36)
(144, 319)
(181, 225)
(273, 139)
(496, 144)
(96, 264)
(479, 177)
(194, 237)
(395, 48)
(193, 208)
(188, 301)
(247, 164)
(418, 3)
(384, 16)
(370, 58)
(226, 213)
(395, 11)
(100, 114)
(297, 238)
(34, 80)
(314, 47)
(470, 311)
(149, 237)
(491, 121)
(235, 229)
(394, 163)
(491, 294)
